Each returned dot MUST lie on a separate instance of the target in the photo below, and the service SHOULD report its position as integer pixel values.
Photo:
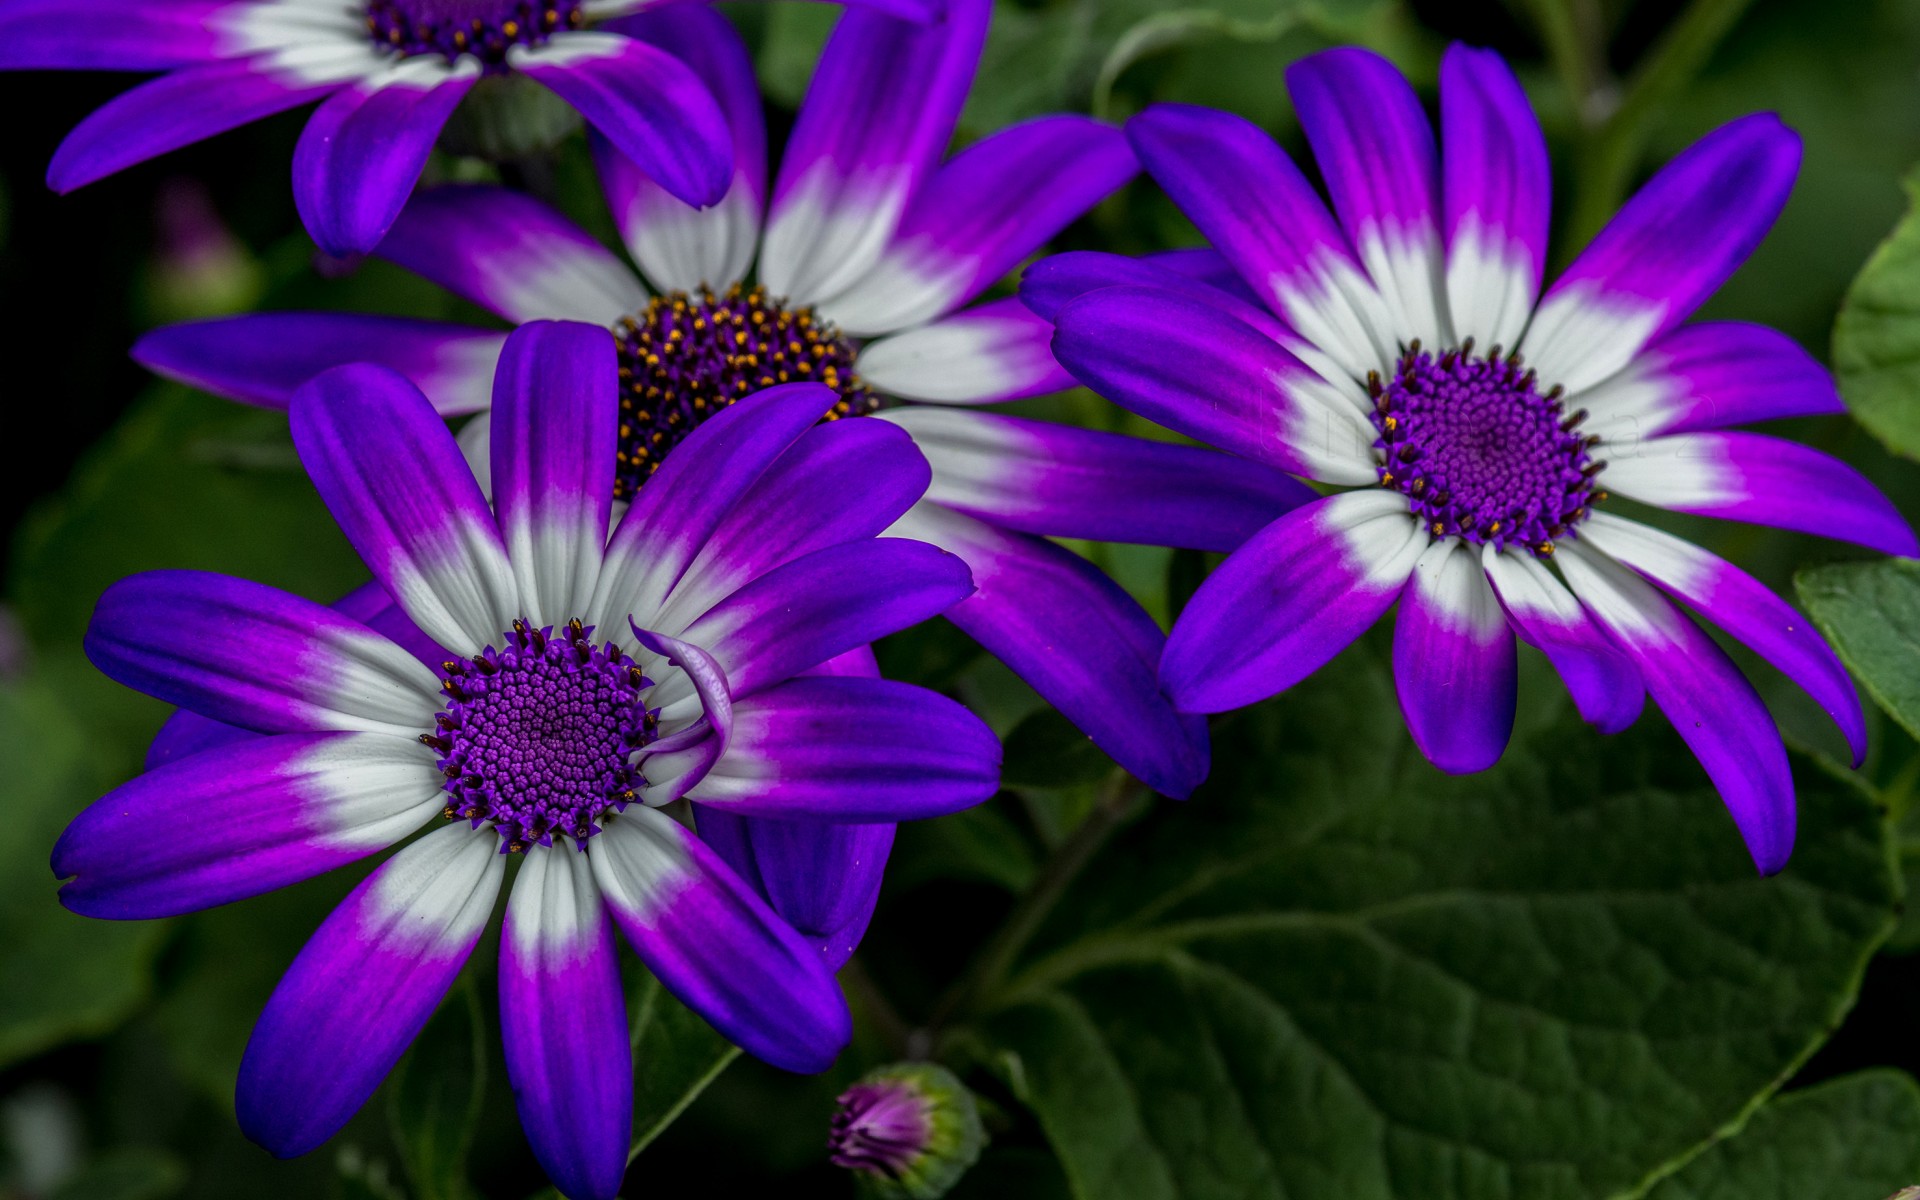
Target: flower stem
(1604, 168)
(1118, 799)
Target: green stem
(989, 969)
(1605, 167)
(880, 1012)
(1574, 38)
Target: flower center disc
(486, 29)
(687, 356)
(1481, 453)
(538, 738)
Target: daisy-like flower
(1476, 428)
(388, 74)
(577, 683)
(867, 258)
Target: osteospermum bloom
(388, 74)
(869, 254)
(1476, 434)
(582, 682)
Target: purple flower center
(538, 737)
(879, 1127)
(1480, 452)
(687, 357)
(486, 29)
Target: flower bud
(909, 1131)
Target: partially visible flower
(388, 73)
(869, 256)
(1401, 355)
(561, 686)
(199, 268)
(909, 1130)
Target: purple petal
(371, 606)
(823, 879)
(1712, 706)
(1290, 599)
(1270, 224)
(263, 358)
(1710, 376)
(365, 147)
(1063, 481)
(1048, 285)
(1077, 638)
(116, 35)
(1193, 368)
(679, 247)
(826, 603)
(1670, 248)
(192, 103)
(675, 763)
(1745, 608)
(244, 819)
(1375, 149)
(716, 945)
(1498, 189)
(986, 209)
(254, 656)
(803, 495)
(1453, 662)
(852, 750)
(652, 107)
(993, 352)
(563, 1021)
(555, 406)
(186, 733)
(695, 488)
(512, 255)
(391, 475)
(1603, 681)
(363, 987)
(1761, 480)
(875, 121)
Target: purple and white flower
(567, 683)
(387, 73)
(1405, 355)
(868, 254)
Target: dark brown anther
(484, 664)
(1573, 422)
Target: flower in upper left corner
(388, 74)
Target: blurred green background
(1333, 973)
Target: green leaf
(1856, 1138)
(434, 1103)
(1047, 750)
(1871, 613)
(676, 1054)
(184, 480)
(1876, 338)
(1336, 974)
(129, 1173)
(62, 976)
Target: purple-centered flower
(1406, 356)
(868, 255)
(568, 683)
(388, 74)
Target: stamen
(686, 357)
(484, 29)
(538, 739)
(1499, 462)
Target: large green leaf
(1871, 613)
(676, 1054)
(1876, 338)
(61, 976)
(1856, 1138)
(1336, 974)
